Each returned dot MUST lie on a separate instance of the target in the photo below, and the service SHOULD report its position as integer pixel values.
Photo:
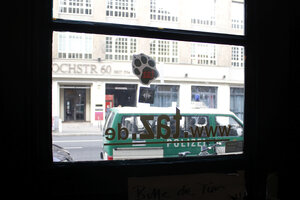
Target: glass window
(204, 97)
(237, 16)
(99, 72)
(235, 127)
(120, 48)
(164, 51)
(188, 124)
(225, 16)
(121, 8)
(204, 54)
(85, 90)
(166, 95)
(75, 46)
(82, 7)
(237, 56)
(163, 11)
(237, 101)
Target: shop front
(122, 94)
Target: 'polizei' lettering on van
(189, 143)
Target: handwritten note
(192, 186)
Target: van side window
(189, 124)
(109, 120)
(192, 123)
(134, 124)
(235, 128)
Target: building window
(237, 15)
(203, 54)
(164, 51)
(204, 97)
(203, 12)
(165, 95)
(166, 10)
(75, 46)
(237, 56)
(83, 7)
(237, 101)
(120, 48)
(121, 8)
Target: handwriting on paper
(208, 186)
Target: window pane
(237, 97)
(99, 102)
(226, 16)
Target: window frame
(32, 170)
(112, 176)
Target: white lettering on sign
(90, 69)
(173, 143)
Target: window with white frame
(75, 46)
(237, 96)
(203, 54)
(203, 12)
(166, 10)
(121, 8)
(120, 48)
(204, 96)
(83, 7)
(237, 56)
(164, 51)
(165, 95)
(237, 15)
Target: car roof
(169, 110)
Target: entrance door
(75, 104)
(124, 94)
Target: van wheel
(101, 155)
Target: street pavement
(81, 147)
(83, 140)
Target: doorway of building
(74, 104)
(123, 94)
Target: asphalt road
(81, 148)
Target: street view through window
(116, 97)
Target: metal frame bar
(146, 31)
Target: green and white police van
(143, 133)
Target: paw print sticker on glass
(144, 68)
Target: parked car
(139, 133)
(60, 154)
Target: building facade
(92, 73)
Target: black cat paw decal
(144, 68)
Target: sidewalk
(78, 128)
